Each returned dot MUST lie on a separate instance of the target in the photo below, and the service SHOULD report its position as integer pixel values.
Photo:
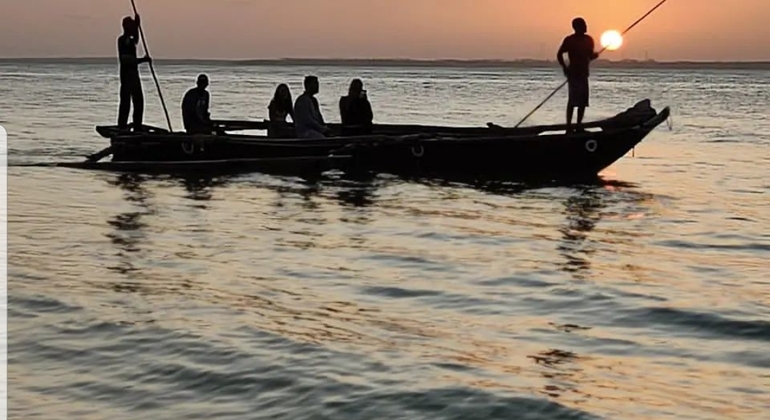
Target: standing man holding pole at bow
(579, 47)
(561, 61)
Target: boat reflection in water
(201, 188)
(137, 231)
(129, 235)
(582, 212)
(296, 218)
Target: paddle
(600, 52)
(152, 70)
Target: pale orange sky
(431, 29)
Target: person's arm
(203, 109)
(343, 110)
(560, 56)
(368, 113)
(146, 58)
(320, 115)
(282, 106)
(594, 54)
(300, 110)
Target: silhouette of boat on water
(545, 151)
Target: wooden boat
(492, 151)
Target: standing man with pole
(561, 61)
(130, 82)
(579, 47)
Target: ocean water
(643, 296)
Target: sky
(698, 30)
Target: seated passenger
(308, 121)
(195, 108)
(356, 111)
(280, 107)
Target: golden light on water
(611, 40)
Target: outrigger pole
(602, 50)
(152, 70)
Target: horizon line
(461, 62)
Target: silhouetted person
(195, 107)
(130, 83)
(356, 111)
(579, 47)
(308, 121)
(281, 106)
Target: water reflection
(351, 194)
(130, 228)
(561, 369)
(201, 188)
(357, 196)
(357, 201)
(583, 212)
(309, 192)
(514, 188)
(583, 209)
(287, 193)
(129, 234)
(585, 204)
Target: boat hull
(531, 152)
(299, 166)
(550, 156)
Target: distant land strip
(354, 62)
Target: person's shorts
(578, 92)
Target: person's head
(311, 85)
(356, 88)
(579, 25)
(129, 25)
(202, 82)
(282, 97)
(282, 92)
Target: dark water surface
(643, 296)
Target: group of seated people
(355, 111)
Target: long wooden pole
(602, 50)
(152, 70)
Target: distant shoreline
(323, 62)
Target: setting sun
(612, 40)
